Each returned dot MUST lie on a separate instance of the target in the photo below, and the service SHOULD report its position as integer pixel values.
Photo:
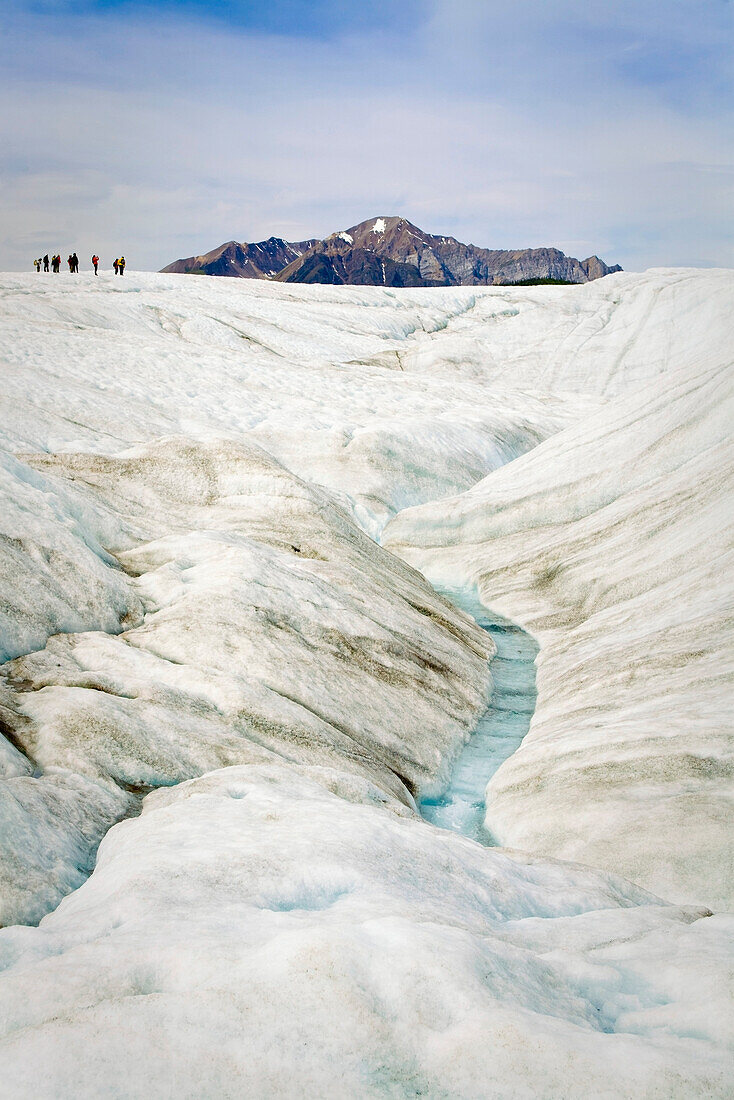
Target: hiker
(95, 261)
(45, 262)
(55, 264)
(37, 264)
(70, 262)
(75, 263)
(121, 265)
(116, 264)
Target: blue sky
(163, 130)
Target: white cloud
(167, 145)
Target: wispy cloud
(163, 131)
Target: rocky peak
(390, 251)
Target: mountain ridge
(389, 251)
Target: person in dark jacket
(75, 263)
(55, 264)
(45, 262)
(116, 265)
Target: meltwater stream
(499, 731)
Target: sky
(161, 130)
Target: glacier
(613, 546)
(250, 536)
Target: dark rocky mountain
(243, 261)
(391, 251)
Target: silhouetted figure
(95, 261)
(74, 263)
(55, 264)
(121, 265)
(70, 262)
(37, 264)
(116, 265)
(45, 262)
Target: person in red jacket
(95, 262)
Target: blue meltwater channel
(500, 730)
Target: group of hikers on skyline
(73, 262)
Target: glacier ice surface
(213, 675)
